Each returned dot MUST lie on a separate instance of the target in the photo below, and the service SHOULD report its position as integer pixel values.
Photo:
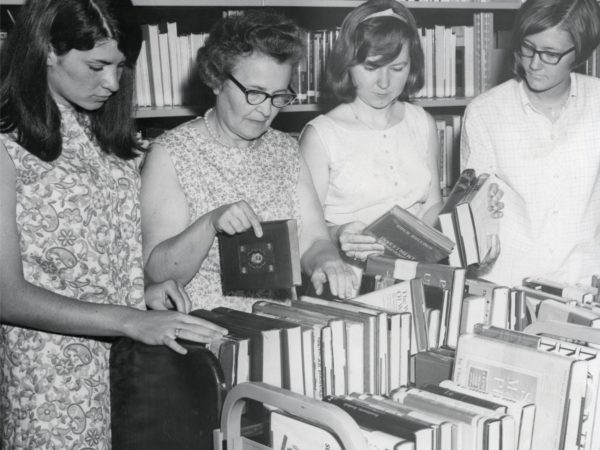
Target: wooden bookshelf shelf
(179, 111)
(490, 5)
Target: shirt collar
(526, 102)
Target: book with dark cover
(291, 344)
(405, 236)
(471, 399)
(410, 428)
(265, 345)
(433, 367)
(269, 262)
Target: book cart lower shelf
(229, 437)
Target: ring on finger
(177, 332)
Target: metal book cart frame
(229, 437)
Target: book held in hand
(269, 262)
(405, 236)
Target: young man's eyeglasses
(256, 97)
(552, 58)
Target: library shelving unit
(198, 15)
(312, 15)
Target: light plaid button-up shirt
(553, 167)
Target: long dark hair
(26, 105)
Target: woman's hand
(355, 244)
(166, 327)
(495, 206)
(235, 218)
(329, 267)
(167, 295)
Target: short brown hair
(262, 31)
(580, 18)
(378, 36)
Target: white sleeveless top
(372, 170)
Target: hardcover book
(476, 227)
(405, 427)
(447, 225)
(265, 345)
(517, 372)
(405, 236)
(441, 281)
(269, 262)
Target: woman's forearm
(26, 305)
(179, 258)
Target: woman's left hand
(167, 295)
(343, 282)
(495, 206)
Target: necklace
(215, 137)
(385, 127)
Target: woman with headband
(375, 149)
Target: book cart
(328, 416)
(228, 436)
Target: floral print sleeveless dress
(78, 220)
(212, 175)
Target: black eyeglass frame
(543, 54)
(247, 92)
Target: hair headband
(385, 13)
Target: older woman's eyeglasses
(552, 58)
(256, 97)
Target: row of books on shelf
(499, 389)
(164, 65)
(458, 62)
(507, 390)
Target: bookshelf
(312, 15)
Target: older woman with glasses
(227, 171)
(539, 133)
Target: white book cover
(151, 33)
(522, 412)
(518, 373)
(145, 75)
(590, 426)
(184, 62)
(165, 67)
(473, 312)
(174, 62)
(140, 95)
(399, 298)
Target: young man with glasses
(540, 133)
